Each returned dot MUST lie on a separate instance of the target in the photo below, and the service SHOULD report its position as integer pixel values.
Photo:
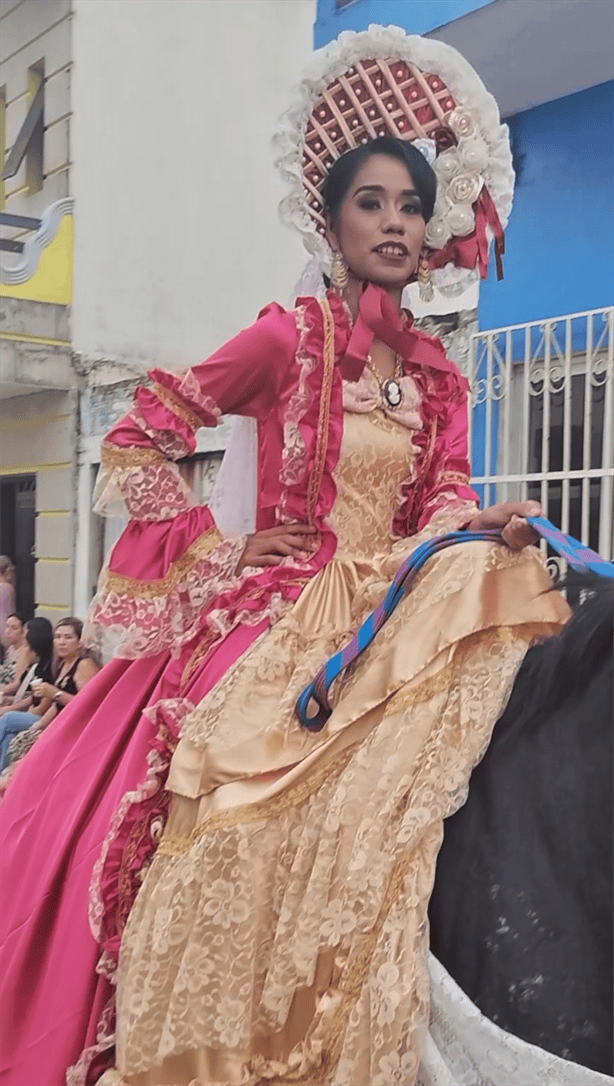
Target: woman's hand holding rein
(509, 517)
(270, 546)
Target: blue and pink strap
(581, 559)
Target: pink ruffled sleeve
(448, 502)
(171, 563)
(243, 377)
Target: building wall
(38, 406)
(33, 33)
(560, 239)
(425, 15)
(37, 436)
(178, 243)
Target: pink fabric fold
(146, 549)
(378, 318)
(55, 817)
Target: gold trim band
(319, 458)
(174, 404)
(160, 586)
(112, 456)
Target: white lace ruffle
(391, 42)
(463, 1047)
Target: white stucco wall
(178, 243)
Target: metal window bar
(20, 147)
(15, 222)
(542, 420)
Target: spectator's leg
(10, 725)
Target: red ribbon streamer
(472, 251)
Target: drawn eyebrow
(380, 188)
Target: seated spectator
(14, 661)
(7, 593)
(74, 667)
(28, 705)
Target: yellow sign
(52, 281)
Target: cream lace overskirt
(281, 932)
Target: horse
(521, 910)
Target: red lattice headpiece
(374, 98)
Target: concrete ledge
(28, 367)
(39, 319)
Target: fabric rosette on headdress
(385, 82)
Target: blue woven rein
(581, 559)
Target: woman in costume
(280, 932)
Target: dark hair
(344, 170)
(19, 618)
(39, 636)
(76, 624)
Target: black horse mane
(553, 669)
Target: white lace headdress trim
(481, 156)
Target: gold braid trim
(435, 684)
(112, 456)
(264, 811)
(177, 407)
(453, 477)
(198, 654)
(132, 587)
(317, 470)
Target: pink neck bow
(378, 318)
(364, 395)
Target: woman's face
(65, 642)
(380, 229)
(13, 630)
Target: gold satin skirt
(281, 933)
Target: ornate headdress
(385, 82)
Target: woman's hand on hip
(509, 518)
(271, 546)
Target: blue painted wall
(560, 238)
(416, 16)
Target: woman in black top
(74, 668)
(30, 702)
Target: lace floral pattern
(376, 453)
(153, 491)
(147, 620)
(463, 1046)
(348, 870)
(294, 456)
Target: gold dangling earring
(425, 283)
(339, 272)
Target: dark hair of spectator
(19, 618)
(343, 171)
(39, 636)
